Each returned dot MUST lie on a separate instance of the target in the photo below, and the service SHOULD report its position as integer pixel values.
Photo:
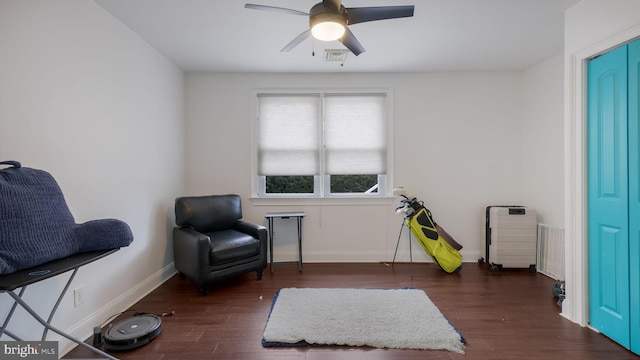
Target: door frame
(576, 305)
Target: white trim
(418, 255)
(576, 305)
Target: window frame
(321, 185)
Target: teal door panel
(607, 178)
(634, 192)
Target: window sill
(326, 201)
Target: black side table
(285, 215)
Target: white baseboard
(84, 329)
(365, 256)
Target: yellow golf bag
(435, 241)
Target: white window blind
(288, 141)
(355, 134)
(339, 139)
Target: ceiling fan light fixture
(327, 26)
(327, 31)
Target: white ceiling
(443, 35)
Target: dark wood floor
(503, 315)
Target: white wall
(457, 146)
(84, 98)
(591, 27)
(542, 140)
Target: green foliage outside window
(353, 183)
(304, 184)
(289, 184)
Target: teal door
(613, 194)
(634, 193)
(608, 195)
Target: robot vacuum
(133, 332)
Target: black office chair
(211, 242)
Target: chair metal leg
(50, 327)
(55, 307)
(3, 329)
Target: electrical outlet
(78, 296)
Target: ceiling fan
(329, 20)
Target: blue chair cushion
(36, 225)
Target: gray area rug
(382, 318)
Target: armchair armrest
(191, 253)
(257, 231)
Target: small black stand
(285, 215)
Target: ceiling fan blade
(349, 40)
(332, 4)
(305, 34)
(364, 14)
(274, 9)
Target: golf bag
(435, 241)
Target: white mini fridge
(511, 235)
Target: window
(321, 144)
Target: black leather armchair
(211, 242)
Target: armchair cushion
(36, 225)
(230, 245)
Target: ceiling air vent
(336, 55)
